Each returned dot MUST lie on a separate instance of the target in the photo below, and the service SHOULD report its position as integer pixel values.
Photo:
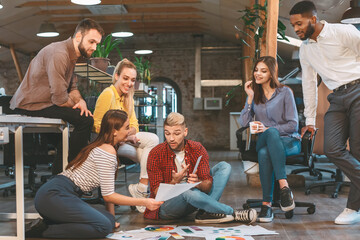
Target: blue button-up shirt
(278, 112)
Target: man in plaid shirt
(173, 162)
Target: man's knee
(191, 195)
(223, 166)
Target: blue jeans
(187, 202)
(272, 151)
(58, 202)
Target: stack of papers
(163, 232)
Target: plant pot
(136, 85)
(142, 86)
(100, 63)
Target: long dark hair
(113, 120)
(271, 63)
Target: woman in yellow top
(120, 96)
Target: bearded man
(49, 88)
(333, 52)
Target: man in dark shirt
(49, 86)
(173, 162)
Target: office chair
(300, 159)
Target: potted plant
(100, 58)
(143, 72)
(254, 20)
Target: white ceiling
(20, 20)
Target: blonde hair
(174, 119)
(129, 97)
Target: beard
(309, 31)
(82, 49)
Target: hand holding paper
(168, 191)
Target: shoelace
(216, 214)
(242, 215)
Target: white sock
(142, 187)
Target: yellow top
(110, 99)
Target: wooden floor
(302, 226)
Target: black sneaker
(266, 215)
(206, 217)
(286, 199)
(246, 216)
(35, 228)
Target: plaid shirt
(161, 162)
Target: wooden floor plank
(302, 226)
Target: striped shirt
(98, 170)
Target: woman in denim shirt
(273, 105)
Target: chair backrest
(305, 157)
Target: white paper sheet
(168, 191)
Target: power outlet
(4, 135)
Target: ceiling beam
(130, 10)
(105, 2)
(64, 12)
(139, 27)
(127, 17)
(162, 9)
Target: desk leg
(19, 176)
(65, 144)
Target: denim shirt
(278, 112)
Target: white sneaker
(348, 216)
(134, 191)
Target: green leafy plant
(254, 20)
(143, 69)
(104, 48)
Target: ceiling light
(47, 30)
(122, 30)
(86, 2)
(143, 51)
(352, 14)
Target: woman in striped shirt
(58, 201)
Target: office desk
(19, 124)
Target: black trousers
(79, 138)
(342, 123)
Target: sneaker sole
(266, 220)
(347, 223)
(289, 208)
(254, 217)
(221, 220)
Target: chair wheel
(289, 214)
(311, 210)
(334, 195)
(246, 206)
(133, 208)
(307, 192)
(322, 188)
